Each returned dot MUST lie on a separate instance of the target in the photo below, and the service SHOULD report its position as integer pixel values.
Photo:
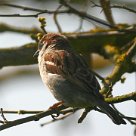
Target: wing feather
(74, 68)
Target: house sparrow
(68, 77)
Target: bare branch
(123, 7)
(24, 53)
(35, 117)
(122, 98)
(39, 12)
(116, 6)
(22, 7)
(107, 11)
(55, 19)
(80, 25)
(21, 112)
(85, 15)
(55, 120)
(64, 110)
(20, 15)
(6, 27)
(3, 116)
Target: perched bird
(68, 77)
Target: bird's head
(53, 41)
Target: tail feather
(113, 114)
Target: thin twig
(35, 117)
(55, 120)
(19, 15)
(65, 113)
(70, 10)
(116, 6)
(56, 20)
(85, 15)
(132, 50)
(37, 14)
(20, 112)
(3, 116)
(123, 7)
(34, 9)
(105, 4)
(80, 25)
(22, 7)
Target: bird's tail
(113, 114)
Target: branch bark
(18, 55)
(107, 11)
(8, 28)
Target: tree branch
(40, 11)
(56, 20)
(34, 9)
(105, 4)
(81, 42)
(18, 55)
(35, 117)
(122, 98)
(6, 27)
(21, 112)
(123, 64)
(116, 6)
(62, 110)
(85, 15)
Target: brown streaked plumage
(68, 76)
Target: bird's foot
(56, 105)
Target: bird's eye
(40, 45)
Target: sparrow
(68, 76)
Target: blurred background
(21, 87)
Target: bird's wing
(72, 67)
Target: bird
(68, 76)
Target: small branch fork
(3, 117)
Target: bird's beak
(36, 53)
